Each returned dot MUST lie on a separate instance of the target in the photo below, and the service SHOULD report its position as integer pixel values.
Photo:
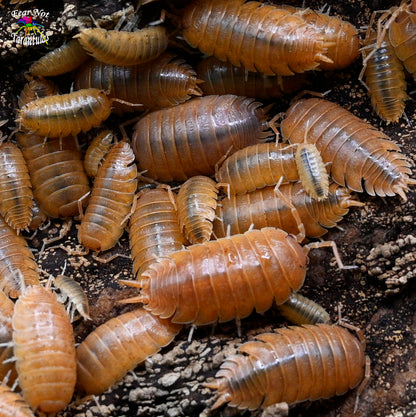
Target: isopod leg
(333, 245)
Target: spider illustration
(30, 25)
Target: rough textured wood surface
(380, 238)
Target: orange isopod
(191, 138)
(96, 152)
(59, 61)
(37, 87)
(402, 34)
(224, 78)
(384, 78)
(163, 82)
(111, 199)
(197, 201)
(39, 217)
(266, 164)
(17, 262)
(118, 346)
(16, 197)
(262, 208)
(257, 36)
(116, 47)
(360, 156)
(57, 174)
(340, 36)
(224, 279)
(66, 114)
(154, 228)
(291, 365)
(12, 404)
(44, 348)
(6, 336)
(299, 310)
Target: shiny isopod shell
(37, 87)
(16, 197)
(265, 164)
(58, 177)
(6, 336)
(17, 262)
(224, 279)
(39, 217)
(385, 78)
(71, 290)
(124, 48)
(111, 199)
(12, 404)
(44, 348)
(190, 139)
(66, 114)
(402, 34)
(129, 338)
(340, 36)
(154, 228)
(260, 37)
(64, 59)
(299, 310)
(360, 156)
(263, 208)
(291, 365)
(96, 151)
(197, 201)
(163, 82)
(224, 78)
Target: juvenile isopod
(71, 290)
(163, 82)
(96, 152)
(118, 346)
(44, 348)
(39, 217)
(124, 48)
(66, 114)
(384, 77)
(257, 36)
(12, 404)
(17, 262)
(57, 174)
(293, 364)
(263, 208)
(191, 138)
(197, 201)
(360, 156)
(224, 279)
(224, 78)
(59, 61)
(16, 197)
(299, 310)
(154, 228)
(111, 200)
(37, 87)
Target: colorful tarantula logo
(30, 25)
